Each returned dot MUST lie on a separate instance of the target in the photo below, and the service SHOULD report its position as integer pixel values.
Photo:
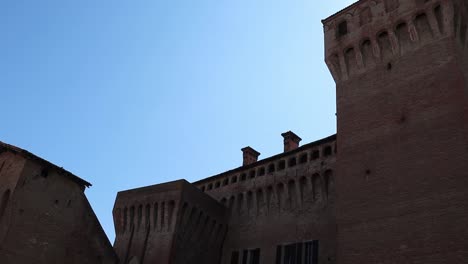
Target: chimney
(250, 156)
(291, 141)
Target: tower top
(369, 33)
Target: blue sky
(132, 93)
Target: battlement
(312, 153)
(370, 34)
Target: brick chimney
(250, 156)
(291, 141)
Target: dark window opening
(303, 158)
(315, 154)
(252, 174)
(254, 256)
(225, 182)
(235, 257)
(243, 177)
(292, 162)
(234, 179)
(261, 171)
(244, 256)
(278, 254)
(298, 253)
(327, 151)
(210, 186)
(271, 168)
(203, 188)
(281, 165)
(217, 184)
(311, 252)
(342, 29)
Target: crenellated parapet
(153, 222)
(372, 33)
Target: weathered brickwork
(44, 214)
(400, 69)
(168, 223)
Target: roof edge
(266, 160)
(31, 156)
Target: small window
(261, 171)
(281, 165)
(245, 256)
(210, 186)
(234, 179)
(252, 174)
(225, 182)
(342, 29)
(327, 151)
(243, 177)
(306, 253)
(315, 155)
(235, 257)
(254, 256)
(217, 184)
(292, 162)
(203, 188)
(303, 158)
(271, 168)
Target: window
(254, 257)
(342, 29)
(281, 165)
(271, 168)
(225, 182)
(261, 171)
(251, 256)
(298, 253)
(245, 256)
(243, 177)
(217, 184)
(303, 158)
(210, 186)
(203, 188)
(252, 174)
(311, 252)
(235, 257)
(292, 162)
(234, 179)
(315, 154)
(327, 151)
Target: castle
(390, 187)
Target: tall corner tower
(401, 73)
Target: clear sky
(132, 93)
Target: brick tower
(401, 74)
